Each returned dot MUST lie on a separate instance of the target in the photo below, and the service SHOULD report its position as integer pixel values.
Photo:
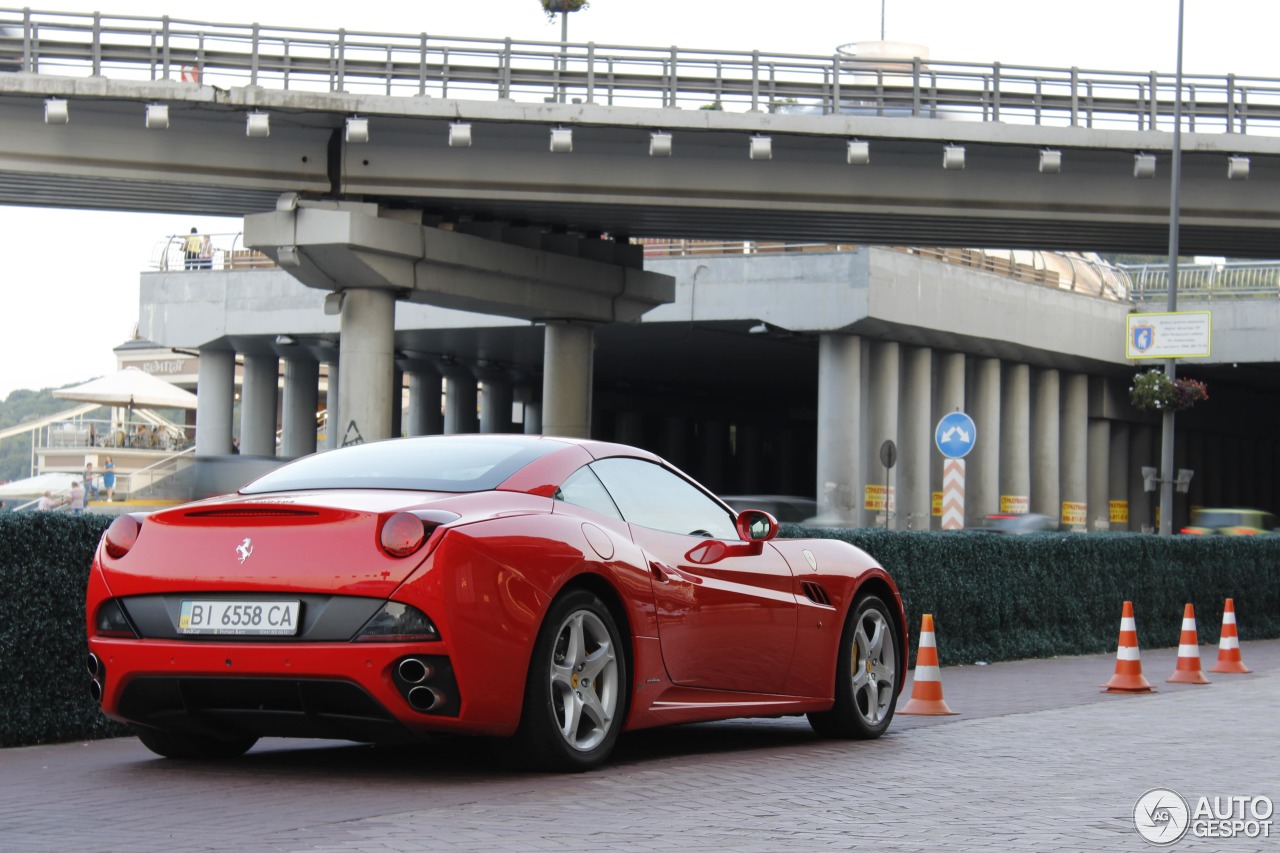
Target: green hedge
(999, 598)
(44, 686)
(992, 597)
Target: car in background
(551, 592)
(1231, 522)
(785, 508)
(1017, 524)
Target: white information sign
(1180, 334)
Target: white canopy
(130, 387)
(34, 487)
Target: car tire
(575, 698)
(179, 745)
(868, 674)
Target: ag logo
(1161, 816)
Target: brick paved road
(1037, 760)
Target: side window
(651, 496)
(582, 488)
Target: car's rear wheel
(180, 745)
(576, 694)
(868, 671)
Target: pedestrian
(90, 487)
(195, 251)
(45, 504)
(109, 479)
(76, 499)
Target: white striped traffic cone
(1187, 670)
(1229, 645)
(926, 681)
(1128, 677)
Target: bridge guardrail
(1205, 281)
(421, 64)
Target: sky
(69, 278)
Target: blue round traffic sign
(956, 434)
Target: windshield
(434, 464)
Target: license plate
(243, 618)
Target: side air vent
(815, 593)
(265, 512)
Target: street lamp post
(1171, 366)
(563, 8)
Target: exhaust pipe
(414, 671)
(94, 665)
(95, 690)
(424, 698)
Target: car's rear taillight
(1245, 531)
(121, 535)
(402, 534)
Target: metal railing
(1205, 281)
(144, 433)
(221, 251)
(426, 65)
(146, 478)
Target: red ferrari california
(548, 590)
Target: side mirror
(756, 525)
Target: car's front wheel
(179, 745)
(576, 694)
(868, 671)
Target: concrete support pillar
(982, 470)
(839, 440)
(948, 397)
(367, 358)
(215, 402)
(533, 417)
(1015, 439)
(915, 439)
(882, 422)
(460, 399)
(567, 370)
(333, 414)
(1074, 444)
(258, 395)
(1118, 474)
(1099, 485)
(629, 429)
(496, 397)
(1045, 427)
(425, 415)
(301, 395)
(1142, 513)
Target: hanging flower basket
(555, 7)
(1152, 391)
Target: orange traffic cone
(1187, 670)
(926, 683)
(1128, 677)
(1229, 646)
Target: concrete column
(216, 393)
(1045, 428)
(948, 396)
(367, 359)
(1015, 438)
(629, 429)
(882, 424)
(1074, 442)
(496, 397)
(301, 394)
(1118, 472)
(1142, 513)
(839, 474)
(1099, 485)
(258, 394)
(460, 396)
(982, 469)
(567, 370)
(425, 416)
(333, 414)
(915, 439)
(533, 417)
